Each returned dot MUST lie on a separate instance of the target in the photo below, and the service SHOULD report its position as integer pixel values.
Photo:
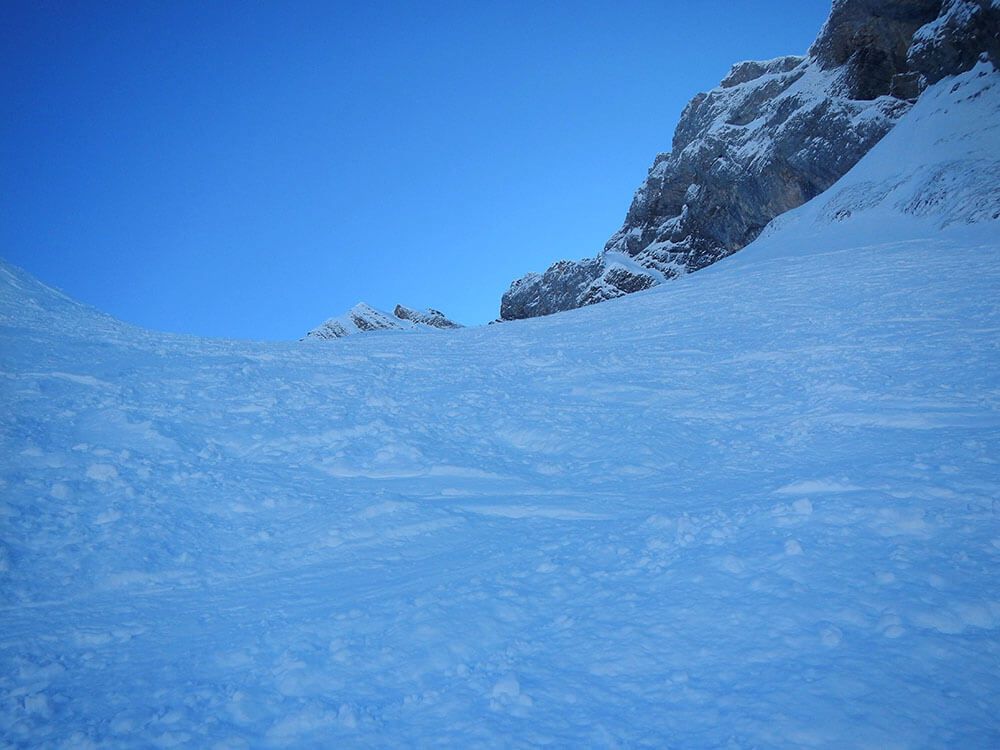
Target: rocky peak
(363, 318)
(429, 317)
(751, 70)
(772, 136)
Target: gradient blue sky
(250, 169)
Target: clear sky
(251, 169)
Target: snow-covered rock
(773, 135)
(952, 42)
(429, 317)
(938, 168)
(363, 318)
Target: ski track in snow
(756, 507)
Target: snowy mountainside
(756, 507)
(939, 168)
(364, 318)
(772, 135)
(28, 307)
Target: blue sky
(250, 169)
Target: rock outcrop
(773, 135)
(364, 318)
(963, 32)
(428, 317)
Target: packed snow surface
(756, 507)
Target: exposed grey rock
(869, 40)
(429, 317)
(750, 70)
(953, 41)
(359, 319)
(772, 136)
(907, 86)
(364, 318)
(561, 287)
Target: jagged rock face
(364, 318)
(953, 42)
(559, 288)
(773, 135)
(359, 319)
(869, 40)
(428, 317)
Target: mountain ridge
(773, 135)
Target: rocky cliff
(770, 137)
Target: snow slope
(938, 169)
(757, 507)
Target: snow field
(754, 507)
